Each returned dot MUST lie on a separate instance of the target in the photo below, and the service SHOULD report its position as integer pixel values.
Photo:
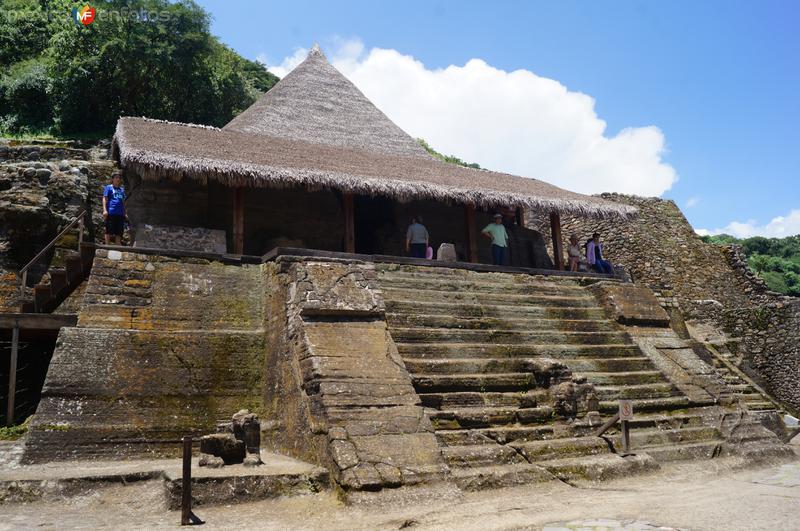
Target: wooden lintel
(558, 245)
(238, 220)
(472, 234)
(349, 223)
(37, 321)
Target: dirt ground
(697, 496)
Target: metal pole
(12, 374)
(626, 438)
(186, 484)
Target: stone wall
(42, 188)
(702, 282)
(164, 348)
(339, 392)
(182, 238)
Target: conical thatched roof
(316, 103)
(314, 128)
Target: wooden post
(520, 216)
(349, 224)
(558, 245)
(186, 483)
(238, 220)
(12, 374)
(472, 234)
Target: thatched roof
(315, 129)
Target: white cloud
(778, 227)
(517, 121)
(692, 202)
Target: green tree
(150, 58)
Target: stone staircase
(478, 347)
(47, 295)
(740, 386)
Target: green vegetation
(152, 58)
(776, 260)
(12, 433)
(446, 158)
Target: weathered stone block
(332, 288)
(631, 303)
(223, 445)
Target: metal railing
(79, 220)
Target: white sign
(625, 410)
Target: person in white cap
(497, 233)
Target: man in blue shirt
(114, 208)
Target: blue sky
(719, 80)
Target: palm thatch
(314, 129)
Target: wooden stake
(238, 220)
(472, 234)
(349, 224)
(558, 246)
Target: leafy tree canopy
(776, 260)
(152, 58)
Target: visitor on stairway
(417, 238)
(594, 255)
(573, 253)
(114, 208)
(496, 232)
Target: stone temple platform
(387, 373)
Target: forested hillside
(150, 58)
(776, 260)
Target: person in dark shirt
(114, 208)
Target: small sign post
(625, 415)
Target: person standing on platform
(417, 238)
(497, 233)
(114, 209)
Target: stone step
(442, 273)
(484, 417)
(481, 455)
(669, 420)
(684, 451)
(599, 467)
(623, 378)
(497, 434)
(641, 439)
(498, 350)
(583, 301)
(498, 476)
(760, 406)
(472, 286)
(742, 388)
(462, 309)
(455, 366)
(514, 381)
(408, 320)
(478, 399)
(606, 365)
(650, 404)
(627, 392)
(545, 450)
(508, 337)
